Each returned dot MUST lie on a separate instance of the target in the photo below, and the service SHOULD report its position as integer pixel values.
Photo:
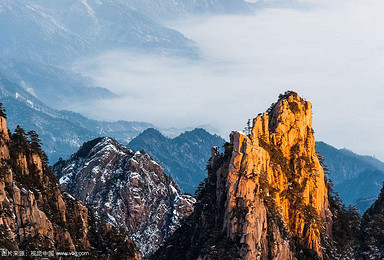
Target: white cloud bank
(332, 54)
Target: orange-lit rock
(275, 168)
(265, 197)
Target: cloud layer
(332, 54)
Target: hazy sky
(331, 54)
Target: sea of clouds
(330, 52)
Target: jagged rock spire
(275, 171)
(265, 197)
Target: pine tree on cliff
(36, 145)
(19, 139)
(34, 140)
(371, 231)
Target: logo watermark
(38, 253)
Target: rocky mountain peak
(265, 197)
(151, 135)
(127, 188)
(291, 111)
(99, 146)
(197, 132)
(278, 162)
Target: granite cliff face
(35, 215)
(265, 197)
(128, 189)
(277, 163)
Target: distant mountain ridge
(176, 9)
(357, 178)
(184, 157)
(345, 164)
(62, 132)
(10, 89)
(45, 37)
(166, 10)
